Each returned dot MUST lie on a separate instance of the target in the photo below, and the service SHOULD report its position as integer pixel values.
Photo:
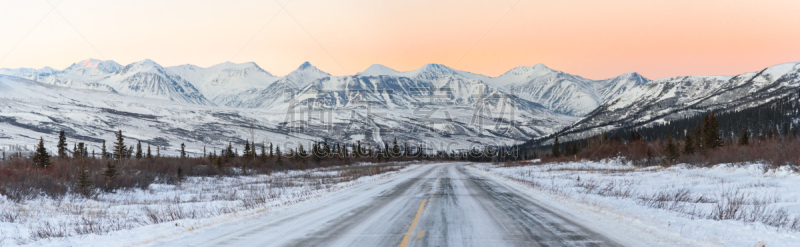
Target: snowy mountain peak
(305, 65)
(437, 68)
(377, 70)
(528, 71)
(93, 66)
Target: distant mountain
(664, 100)
(93, 67)
(556, 90)
(276, 92)
(225, 78)
(148, 79)
(144, 79)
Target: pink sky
(594, 39)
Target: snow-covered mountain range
(663, 100)
(433, 102)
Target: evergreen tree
(302, 152)
(229, 152)
(180, 174)
(158, 151)
(246, 149)
(130, 152)
(80, 151)
(270, 150)
(263, 152)
(386, 154)
(183, 151)
(698, 136)
(84, 182)
(119, 147)
(111, 171)
(785, 129)
(62, 145)
(744, 140)
(671, 149)
(556, 152)
(149, 154)
(316, 151)
(103, 151)
(711, 137)
(139, 153)
(688, 145)
(41, 158)
(395, 148)
(277, 154)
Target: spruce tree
(698, 136)
(41, 158)
(62, 145)
(671, 149)
(139, 153)
(111, 170)
(246, 153)
(183, 150)
(785, 129)
(688, 145)
(119, 147)
(263, 156)
(270, 150)
(103, 151)
(229, 152)
(180, 174)
(395, 148)
(149, 154)
(158, 151)
(84, 182)
(81, 151)
(744, 140)
(713, 138)
(278, 155)
(556, 152)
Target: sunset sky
(594, 39)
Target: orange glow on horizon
(593, 39)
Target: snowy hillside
(275, 93)
(225, 78)
(31, 110)
(148, 79)
(555, 90)
(666, 99)
(144, 79)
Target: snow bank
(724, 205)
(131, 216)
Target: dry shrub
(20, 179)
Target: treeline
(124, 166)
(765, 133)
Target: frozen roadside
(140, 217)
(666, 206)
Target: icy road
(434, 205)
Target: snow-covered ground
(139, 216)
(724, 205)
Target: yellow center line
(413, 224)
(420, 234)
